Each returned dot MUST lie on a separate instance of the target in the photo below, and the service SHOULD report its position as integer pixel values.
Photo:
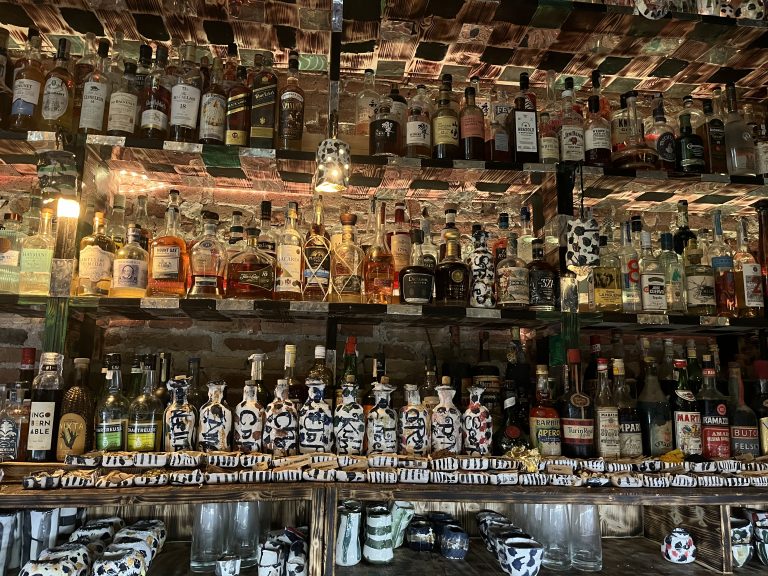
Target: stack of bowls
(518, 553)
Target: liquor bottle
(166, 367)
(418, 128)
(604, 103)
(692, 366)
(168, 259)
(208, 261)
(607, 429)
(239, 110)
(257, 378)
(744, 423)
(445, 124)
(179, 418)
(129, 277)
(417, 282)
(214, 431)
(661, 137)
(145, 413)
(512, 286)
(97, 253)
(739, 145)
(123, 103)
(28, 80)
(760, 403)
(144, 67)
(385, 132)
(715, 433)
(365, 103)
(482, 292)
(399, 242)
(347, 264)
(378, 267)
(429, 248)
(31, 218)
(288, 274)
(699, 282)
(543, 281)
(11, 237)
(511, 434)
(630, 428)
(450, 224)
(683, 234)
(58, 94)
(578, 414)
(721, 259)
(652, 280)
(248, 421)
(597, 136)
(136, 379)
(748, 278)
(10, 425)
(112, 410)
(251, 272)
(714, 137)
(156, 99)
(35, 258)
(572, 129)
(521, 125)
(27, 366)
(291, 122)
(452, 276)
(499, 244)
(297, 392)
(115, 228)
(264, 111)
(75, 435)
(236, 240)
(316, 264)
(632, 151)
(267, 238)
(544, 419)
(45, 408)
(198, 383)
(674, 275)
(229, 76)
(185, 98)
(589, 377)
(485, 375)
(685, 413)
(19, 410)
(526, 236)
(761, 148)
(607, 278)
(97, 89)
(84, 66)
(655, 414)
(213, 108)
(689, 149)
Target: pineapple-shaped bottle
(349, 421)
(180, 417)
(446, 421)
(382, 420)
(215, 430)
(249, 420)
(315, 420)
(477, 425)
(281, 436)
(413, 427)
(481, 265)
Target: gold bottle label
(71, 440)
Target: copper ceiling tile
(215, 10)
(541, 38)
(478, 11)
(677, 28)
(313, 41)
(356, 31)
(145, 6)
(180, 27)
(629, 46)
(122, 21)
(583, 64)
(754, 58)
(255, 35)
(696, 73)
(441, 30)
(655, 84)
(743, 36)
(614, 24)
(281, 14)
(357, 62)
(48, 19)
(390, 50)
(507, 35)
(574, 42)
(757, 78)
(315, 4)
(424, 68)
(691, 50)
(314, 19)
(526, 58)
(405, 9)
(486, 71)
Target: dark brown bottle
(45, 410)
(521, 125)
(597, 136)
(239, 111)
(472, 127)
(263, 103)
(577, 414)
(445, 125)
(452, 275)
(689, 151)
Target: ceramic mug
(678, 547)
(741, 553)
(378, 535)
(454, 542)
(402, 514)
(762, 551)
(420, 536)
(348, 550)
(503, 544)
(760, 534)
(523, 558)
(741, 531)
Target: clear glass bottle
(36, 256)
(45, 409)
(674, 275)
(379, 266)
(597, 136)
(213, 108)
(185, 98)
(543, 281)
(661, 137)
(58, 99)
(168, 258)
(572, 128)
(208, 261)
(129, 277)
(267, 238)
(634, 153)
(289, 258)
(316, 264)
(291, 124)
(653, 294)
(418, 129)
(607, 430)
(123, 104)
(28, 80)
(11, 237)
(748, 277)
(400, 113)
(549, 124)
(83, 67)
(683, 233)
(385, 131)
(607, 277)
(112, 410)
(115, 229)
(97, 90)
(527, 236)
(97, 254)
(251, 272)
(145, 413)
(365, 103)
(739, 145)
(445, 124)
(630, 272)
(155, 99)
(655, 413)
(699, 282)
(141, 219)
(399, 242)
(347, 264)
(31, 218)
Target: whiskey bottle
(291, 125)
(213, 108)
(264, 112)
(145, 413)
(450, 224)
(549, 124)
(739, 144)
(97, 254)
(385, 131)
(748, 277)
(744, 431)
(365, 104)
(185, 99)
(597, 136)
(572, 128)
(58, 94)
(445, 124)
(83, 67)
(229, 76)
(379, 266)
(689, 148)
(288, 276)
(685, 413)
(472, 128)
(28, 82)
(97, 90)
(316, 265)
(452, 275)
(168, 259)
(521, 125)
(123, 102)
(45, 409)
(715, 432)
(208, 261)
(112, 410)
(75, 425)
(630, 428)
(250, 272)
(129, 278)
(416, 280)
(512, 289)
(239, 111)
(607, 428)
(577, 414)
(399, 242)
(699, 282)
(714, 137)
(544, 419)
(400, 114)
(543, 281)
(156, 99)
(144, 68)
(418, 129)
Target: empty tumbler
(586, 545)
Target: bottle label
(674, 287)
(607, 421)
(291, 115)
(288, 269)
(660, 436)
(41, 419)
(267, 246)
(513, 285)
(206, 281)
(693, 157)
(701, 289)
(36, 260)
(753, 285)
(653, 292)
(348, 284)
(525, 132)
(385, 135)
(165, 262)
(416, 288)
(542, 288)
(446, 130)
(715, 437)
(95, 263)
(9, 258)
(501, 141)
(550, 149)
(109, 436)
(401, 250)
(597, 138)
(430, 261)
(545, 435)
(263, 278)
(418, 133)
(722, 263)
(317, 269)
(55, 98)
(122, 112)
(72, 435)
(237, 104)
(688, 429)
(745, 440)
(26, 97)
(630, 438)
(686, 395)
(607, 283)
(263, 101)
(130, 273)
(472, 126)
(366, 110)
(141, 437)
(9, 438)
(578, 431)
(213, 117)
(95, 99)
(154, 119)
(572, 143)
(665, 146)
(185, 102)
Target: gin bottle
(36, 256)
(674, 275)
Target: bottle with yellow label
(445, 125)
(75, 428)
(145, 412)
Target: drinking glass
(209, 533)
(586, 544)
(244, 533)
(554, 534)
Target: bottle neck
(209, 228)
(542, 388)
(736, 386)
(46, 224)
(114, 380)
(348, 233)
(171, 215)
(452, 250)
(417, 254)
(257, 369)
(149, 381)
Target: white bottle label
(419, 133)
(753, 285)
(185, 102)
(289, 269)
(213, 115)
(607, 423)
(26, 96)
(154, 119)
(205, 282)
(9, 258)
(525, 132)
(41, 418)
(35, 260)
(513, 285)
(501, 141)
(597, 138)
(165, 262)
(701, 290)
(550, 148)
(122, 112)
(653, 295)
(55, 98)
(95, 98)
(401, 250)
(129, 273)
(95, 263)
(572, 143)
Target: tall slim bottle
(739, 145)
(572, 129)
(289, 258)
(685, 413)
(379, 266)
(630, 272)
(58, 93)
(213, 108)
(652, 280)
(155, 99)
(185, 98)
(674, 275)
(715, 433)
(445, 125)
(630, 427)
(316, 273)
(577, 414)
(714, 137)
(745, 438)
(291, 122)
(112, 410)
(721, 259)
(760, 403)
(655, 414)
(27, 90)
(97, 90)
(45, 409)
(472, 128)
(607, 429)
(748, 277)
(264, 114)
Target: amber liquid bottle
(472, 126)
(445, 125)
(263, 103)
(27, 91)
(291, 125)
(239, 111)
(452, 275)
(58, 94)
(544, 419)
(213, 108)
(185, 99)
(155, 99)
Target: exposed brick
(13, 336)
(360, 330)
(168, 324)
(308, 328)
(252, 344)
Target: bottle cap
(574, 355)
(542, 369)
(602, 364)
(82, 361)
(49, 359)
(348, 219)
(469, 91)
(445, 380)
(667, 241)
(113, 360)
(150, 361)
(145, 53)
(569, 83)
(596, 79)
(761, 369)
(130, 67)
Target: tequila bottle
(208, 261)
(482, 294)
(699, 282)
(36, 256)
(653, 283)
(112, 410)
(145, 413)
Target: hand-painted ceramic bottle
(215, 430)
(477, 425)
(413, 427)
(315, 421)
(381, 430)
(349, 421)
(481, 264)
(180, 418)
(281, 435)
(446, 423)
(249, 420)
(348, 549)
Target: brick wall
(16, 332)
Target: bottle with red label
(715, 433)
(472, 128)
(744, 431)
(686, 416)
(544, 420)
(578, 414)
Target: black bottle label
(417, 288)
(542, 285)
